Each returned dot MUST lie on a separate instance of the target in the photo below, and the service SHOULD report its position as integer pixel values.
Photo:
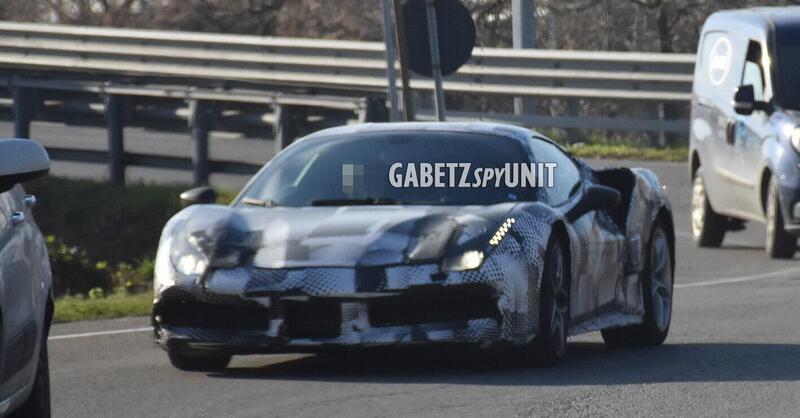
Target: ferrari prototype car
(333, 244)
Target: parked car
(745, 127)
(26, 303)
(322, 248)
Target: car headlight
(795, 138)
(468, 260)
(188, 258)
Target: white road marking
(780, 273)
(98, 333)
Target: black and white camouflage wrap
(354, 254)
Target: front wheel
(549, 346)
(38, 404)
(780, 244)
(657, 280)
(708, 227)
(198, 362)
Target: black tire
(548, 348)
(708, 227)
(779, 243)
(657, 286)
(198, 362)
(38, 404)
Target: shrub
(73, 271)
(101, 235)
(111, 223)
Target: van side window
(721, 58)
(753, 72)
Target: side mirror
(21, 160)
(744, 101)
(596, 197)
(198, 196)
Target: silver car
(26, 303)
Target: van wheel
(780, 244)
(657, 281)
(38, 404)
(198, 362)
(708, 227)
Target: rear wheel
(549, 346)
(708, 227)
(198, 362)
(657, 280)
(38, 404)
(780, 244)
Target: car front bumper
(287, 321)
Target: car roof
(760, 18)
(508, 131)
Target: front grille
(434, 305)
(194, 314)
(313, 319)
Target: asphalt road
(734, 347)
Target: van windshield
(788, 51)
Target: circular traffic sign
(456, 31)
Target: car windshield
(788, 51)
(356, 170)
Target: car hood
(347, 236)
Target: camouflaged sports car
(327, 247)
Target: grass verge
(628, 152)
(118, 305)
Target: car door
(750, 133)
(5, 237)
(19, 313)
(599, 264)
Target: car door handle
(17, 218)
(29, 200)
(730, 132)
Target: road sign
(456, 36)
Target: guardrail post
(287, 121)
(658, 139)
(374, 110)
(26, 103)
(115, 125)
(573, 134)
(201, 120)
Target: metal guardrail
(287, 74)
(357, 67)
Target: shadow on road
(586, 364)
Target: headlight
(187, 258)
(795, 138)
(469, 260)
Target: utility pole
(391, 57)
(402, 50)
(523, 19)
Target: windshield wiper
(356, 202)
(249, 201)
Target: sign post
(400, 33)
(436, 61)
(523, 20)
(431, 47)
(391, 57)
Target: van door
(750, 133)
(713, 118)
